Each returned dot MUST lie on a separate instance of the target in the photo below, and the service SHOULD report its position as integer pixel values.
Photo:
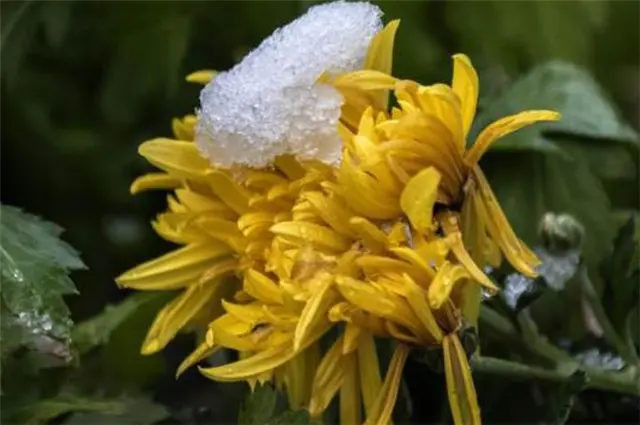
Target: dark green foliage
(35, 264)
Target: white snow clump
(270, 104)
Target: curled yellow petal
(203, 351)
(419, 197)
(503, 127)
(154, 181)
(465, 85)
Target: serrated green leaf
(565, 88)
(259, 406)
(97, 330)
(133, 411)
(34, 268)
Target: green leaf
(565, 88)
(291, 417)
(259, 406)
(621, 274)
(97, 330)
(43, 411)
(132, 411)
(34, 267)
(561, 401)
(530, 184)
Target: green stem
(625, 381)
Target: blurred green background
(85, 82)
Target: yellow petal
(370, 235)
(411, 256)
(369, 368)
(175, 269)
(290, 166)
(386, 400)
(314, 234)
(176, 157)
(350, 392)
(417, 301)
(253, 313)
(389, 306)
(440, 100)
(419, 197)
(195, 202)
(183, 129)
(261, 287)
(315, 310)
(465, 85)
(262, 180)
(175, 315)
(462, 395)
(442, 285)
(365, 80)
(503, 127)
(263, 361)
(331, 211)
(268, 359)
(380, 54)
(230, 192)
(225, 231)
(328, 379)
(203, 351)
(154, 181)
(351, 338)
(203, 77)
(500, 230)
(365, 195)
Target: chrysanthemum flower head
(310, 213)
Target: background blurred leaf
(151, 41)
(565, 88)
(259, 406)
(509, 32)
(621, 272)
(97, 330)
(138, 410)
(46, 410)
(35, 266)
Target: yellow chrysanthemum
(371, 249)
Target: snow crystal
(270, 104)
